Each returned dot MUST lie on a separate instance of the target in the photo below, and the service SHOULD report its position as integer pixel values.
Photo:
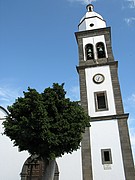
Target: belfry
(106, 148)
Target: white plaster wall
(98, 23)
(11, 161)
(94, 40)
(104, 135)
(104, 86)
(70, 166)
(82, 26)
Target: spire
(91, 20)
(90, 8)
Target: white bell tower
(106, 149)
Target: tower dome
(91, 20)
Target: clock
(98, 78)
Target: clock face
(98, 78)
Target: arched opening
(89, 52)
(33, 169)
(100, 50)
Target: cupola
(91, 20)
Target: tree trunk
(49, 171)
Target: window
(101, 101)
(89, 52)
(91, 25)
(100, 50)
(106, 156)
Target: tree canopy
(46, 124)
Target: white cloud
(130, 20)
(131, 100)
(129, 107)
(83, 1)
(129, 104)
(73, 93)
(8, 94)
(131, 3)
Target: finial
(90, 8)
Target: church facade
(105, 149)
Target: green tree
(46, 124)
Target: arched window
(100, 50)
(89, 52)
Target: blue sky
(38, 46)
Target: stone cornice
(87, 65)
(111, 117)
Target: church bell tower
(106, 148)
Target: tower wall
(105, 135)
(105, 86)
(106, 148)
